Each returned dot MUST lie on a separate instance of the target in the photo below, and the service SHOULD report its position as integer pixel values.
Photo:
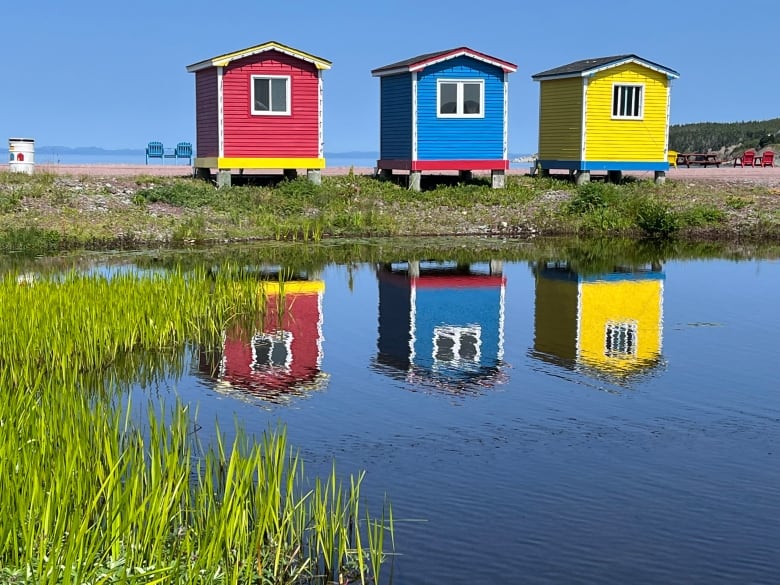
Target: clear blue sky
(112, 74)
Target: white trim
(427, 63)
(320, 136)
(412, 321)
(583, 132)
(459, 83)
(269, 112)
(222, 60)
(501, 317)
(666, 129)
(414, 116)
(420, 65)
(641, 115)
(320, 334)
(221, 111)
(578, 345)
(506, 116)
(593, 71)
(661, 317)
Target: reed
(92, 496)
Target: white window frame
(622, 332)
(270, 112)
(459, 113)
(280, 337)
(456, 333)
(620, 105)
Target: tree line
(728, 138)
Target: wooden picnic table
(703, 159)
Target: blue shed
(441, 324)
(444, 111)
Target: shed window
(620, 340)
(627, 101)
(271, 350)
(461, 99)
(271, 95)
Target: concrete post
(582, 177)
(496, 267)
(614, 176)
(314, 176)
(660, 177)
(415, 181)
(290, 174)
(498, 179)
(414, 268)
(223, 178)
(464, 175)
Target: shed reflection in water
(441, 324)
(279, 355)
(601, 324)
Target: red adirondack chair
(747, 159)
(767, 159)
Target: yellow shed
(610, 323)
(607, 114)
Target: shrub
(656, 219)
(592, 196)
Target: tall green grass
(92, 496)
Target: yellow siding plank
(560, 119)
(627, 140)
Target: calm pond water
(530, 424)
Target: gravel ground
(748, 197)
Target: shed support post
(660, 177)
(314, 176)
(496, 267)
(615, 176)
(498, 179)
(582, 177)
(223, 178)
(415, 180)
(464, 175)
(414, 268)
(290, 174)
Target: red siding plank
(246, 135)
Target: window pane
(471, 101)
(637, 100)
(262, 97)
(615, 100)
(448, 98)
(279, 95)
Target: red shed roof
(422, 61)
(222, 60)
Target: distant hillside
(730, 138)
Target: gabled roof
(588, 67)
(422, 61)
(222, 60)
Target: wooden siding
(206, 113)
(395, 136)
(460, 138)
(560, 119)
(296, 135)
(627, 140)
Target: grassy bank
(46, 212)
(92, 496)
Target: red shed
(259, 108)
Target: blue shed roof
(422, 61)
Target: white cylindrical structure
(21, 155)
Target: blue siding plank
(395, 141)
(460, 138)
